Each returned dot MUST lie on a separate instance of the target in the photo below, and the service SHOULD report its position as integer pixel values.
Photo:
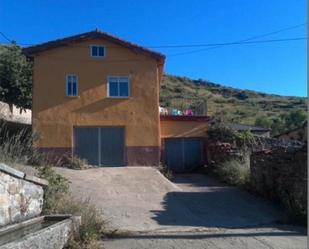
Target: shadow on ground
(204, 202)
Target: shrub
(241, 95)
(57, 200)
(92, 227)
(77, 163)
(57, 189)
(165, 171)
(234, 172)
(17, 147)
(296, 204)
(263, 121)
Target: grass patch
(77, 163)
(233, 172)
(92, 228)
(165, 171)
(16, 148)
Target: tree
(15, 77)
(263, 121)
(277, 126)
(295, 119)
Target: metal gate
(183, 154)
(103, 146)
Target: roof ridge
(31, 50)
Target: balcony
(185, 107)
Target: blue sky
(278, 67)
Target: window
(118, 87)
(97, 51)
(71, 85)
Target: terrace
(185, 107)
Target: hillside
(236, 105)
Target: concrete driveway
(193, 211)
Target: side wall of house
(55, 115)
(174, 129)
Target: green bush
(234, 172)
(92, 227)
(57, 189)
(296, 204)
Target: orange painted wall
(55, 115)
(183, 129)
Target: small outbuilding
(183, 141)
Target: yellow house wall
(55, 115)
(183, 129)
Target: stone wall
(21, 195)
(221, 152)
(281, 174)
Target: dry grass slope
(235, 104)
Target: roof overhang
(33, 50)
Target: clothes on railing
(175, 112)
(188, 112)
(163, 111)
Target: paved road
(257, 238)
(193, 211)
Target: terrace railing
(185, 107)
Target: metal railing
(185, 107)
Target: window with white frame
(118, 87)
(71, 85)
(97, 51)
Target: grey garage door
(183, 154)
(103, 146)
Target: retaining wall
(281, 174)
(21, 195)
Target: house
(259, 131)
(13, 121)
(14, 114)
(96, 96)
(299, 134)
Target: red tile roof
(31, 51)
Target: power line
(194, 45)
(213, 46)
(251, 42)
(5, 37)
(247, 39)
(142, 60)
(244, 40)
(217, 45)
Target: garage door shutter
(183, 154)
(103, 146)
